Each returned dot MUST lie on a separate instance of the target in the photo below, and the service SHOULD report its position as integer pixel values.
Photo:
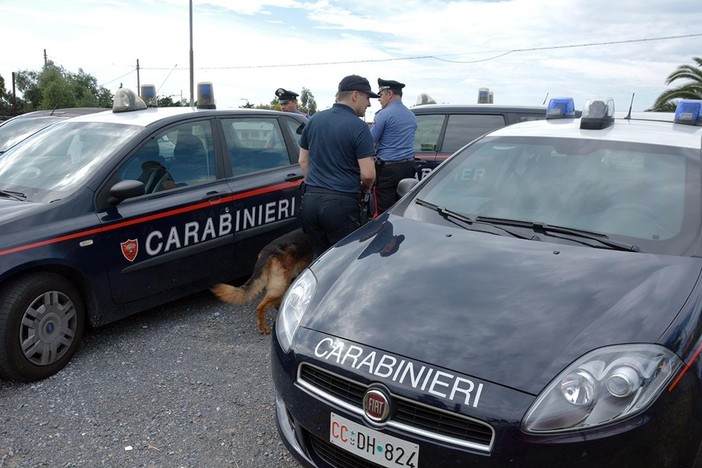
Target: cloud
(523, 50)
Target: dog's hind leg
(261, 309)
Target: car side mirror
(125, 189)
(405, 185)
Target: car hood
(509, 311)
(13, 209)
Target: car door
(264, 177)
(177, 237)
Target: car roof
(647, 130)
(475, 108)
(145, 117)
(62, 112)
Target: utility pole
(192, 86)
(138, 80)
(14, 96)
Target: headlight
(293, 308)
(603, 386)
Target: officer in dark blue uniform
(336, 157)
(393, 134)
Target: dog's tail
(247, 291)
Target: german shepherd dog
(277, 266)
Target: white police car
(112, 213)
(535, 301)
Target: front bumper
(666, 435)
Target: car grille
(445, 426)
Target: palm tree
(692, 89)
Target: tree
(307, 103)
(54, 87)
(690, 89)
(167, 101)
(5, 99)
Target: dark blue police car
(112, 213)
(536, 301)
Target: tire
(42, 318)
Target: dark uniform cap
(284, 95)
(357, 83)
(389, 84)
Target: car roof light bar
(560, 108)
(689, 112)
(597, 114)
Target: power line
(442, 57)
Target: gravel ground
(183, 385)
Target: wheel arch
(84, 286)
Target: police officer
(393, 134)
(287, 100)
(336, 157)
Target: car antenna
(545, 99)
(628, 116)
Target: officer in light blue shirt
(393, 134)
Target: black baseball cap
(357, 83)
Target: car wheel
(42, 319)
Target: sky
(524, 51)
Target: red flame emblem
(130, 249)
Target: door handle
(212, 196)
(293, 177)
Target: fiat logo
(376, 405)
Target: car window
(295, 128)
(59, 160)
(18, 129)
(255, 144)
(426, 137)
(193, 160)
(176, 157)
(464, 128)
(629, 190)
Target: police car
(442, 129)
(112, 213)
(535, 301)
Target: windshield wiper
(453, 216)
(550, 230)
(14, 195)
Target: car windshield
(16, 130)
(56, 162)
(646, 194)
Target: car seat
(189, 159)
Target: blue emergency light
(148, 94)
(560, 108)
(688, 112)
(597, 114)
(205, 96)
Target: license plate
(372, 445)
